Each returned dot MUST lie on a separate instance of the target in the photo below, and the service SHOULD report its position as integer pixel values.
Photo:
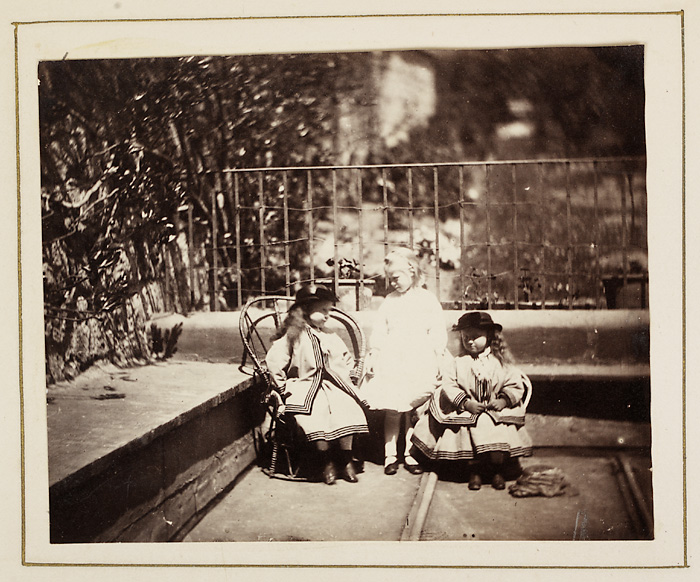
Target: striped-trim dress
(449, 433)
(315, 374)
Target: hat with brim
(478, 320)
(312, 293)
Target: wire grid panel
(510, 234)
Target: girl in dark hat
(311, 369)
(478, 413)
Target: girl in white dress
(407, 344)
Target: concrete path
(597, 510)
(259, 508)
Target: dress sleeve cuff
(461, 397)
(509, 398)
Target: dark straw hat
(310, 293)
(478, 320)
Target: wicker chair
(282, 447)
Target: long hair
(498, 345)
(293, 325)
(403, 256)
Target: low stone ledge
(585, 372)
(148, 488)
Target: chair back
(528, 390)
(262, 318)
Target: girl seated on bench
(478, 413)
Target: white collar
(483, 355)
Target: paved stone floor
(596, 512)
(375, 509)
(259, 508)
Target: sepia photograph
(417, 193)
(381, 294)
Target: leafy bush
(164, 343)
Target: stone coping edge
(97, 466)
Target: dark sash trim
(305, 408)
(317, 379)
(471, 454)
(464, 419)
(338, 433)
(504, 447)
(337, 380)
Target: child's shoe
(329, 473)
(349, 472)
(412, 466)
(391, 465)
(498, 482)
(475, 482)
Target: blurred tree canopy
(575, 102)
(126, 142)
(584, 101)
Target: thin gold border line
(336, 16)
(16, 25)
(683, 301)
(362, 566)
(19, 305)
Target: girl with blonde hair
(407, 344)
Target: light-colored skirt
(404, 378)
(334, 414)
(460, 442)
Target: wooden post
(436, 208)
(625, 242)
(213, 303)
(488, 239)
(239, 278)
(310, 225)
(287, 266)
(543, 254)
(410, 209)
(385, 212)
(516, 265)
(569, 249)
(596, 235)
(361, 287)
(261, 220)
(462, 241)
(190, 253)
(336, 233)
